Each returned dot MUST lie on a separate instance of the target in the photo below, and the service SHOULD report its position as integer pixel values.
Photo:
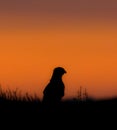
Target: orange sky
(31, 46)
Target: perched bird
(54, 91)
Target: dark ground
(68, 114)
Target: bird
(54, 91)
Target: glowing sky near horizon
(79, 35)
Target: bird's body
(54, 91)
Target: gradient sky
(79, 35)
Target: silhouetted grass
(15, 95)
(13, 102)
(28, 108)
(13, 98)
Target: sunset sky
(79, 35)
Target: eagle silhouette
(54, 91)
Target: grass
(15, 106)
(15, 95)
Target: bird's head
(59, 71)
